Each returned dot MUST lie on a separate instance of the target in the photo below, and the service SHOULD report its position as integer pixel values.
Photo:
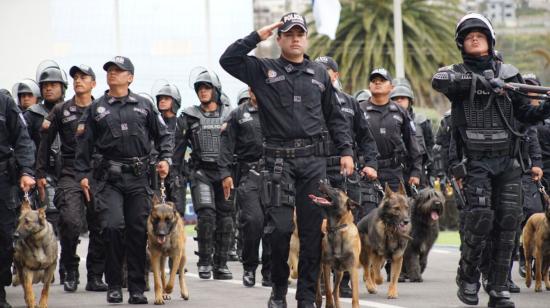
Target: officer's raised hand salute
(122, 127)
(296, 100)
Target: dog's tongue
(319, 200)
(435, 216)
(161, 239)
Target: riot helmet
(474, 21)
(243, 96)
(170, 90)
(225, 99)
(25, 86)
(362, 95)
(201, 75)
(403, 91)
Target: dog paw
(168, 289)
(159, 301)
(166, 296)
(372, 290)
(538, 288)
(185, 296)
(392, 295)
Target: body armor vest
(420, 134)
(55, 149)
(485, 115)
(206, 132)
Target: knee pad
(477, 197)
(203, 196)
(478, 221)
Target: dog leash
(162, 192)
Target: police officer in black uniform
(441, 147)
(403, 95)
(16, 162)
(26, 93)
(365, 152)
(394, 132)
(122, 126)
(69, 200)
(242, 136)
(485, 132)
(53, 84)
(296, 100)
(168, 100)
(202, 131)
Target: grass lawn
(449, 238)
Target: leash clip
(162, 192)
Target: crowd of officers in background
(98, 166)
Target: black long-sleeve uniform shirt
(120, 129)
(14, 137)
(295, 99)
(242, 136)
(62, 120)
(365, 145)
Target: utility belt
(392, 162)
(313, 146)
(489, 144)
(245, 167)
(207, 165)
(136, 165)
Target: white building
(501, 12)
(165, 39)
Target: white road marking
(443, 251)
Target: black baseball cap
(84, 69)
(382, 72)
(328, 62)
(292, 19)
(123, 63)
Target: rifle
(499, 86)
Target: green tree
(365, 40)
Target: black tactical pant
(302, 176)
(123, 204)
(214, 217)
(392, 176)
(95, 260)
(7, 227)
(251, 224)
(52, 213)
(492, 215)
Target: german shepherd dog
(384, 235)
(536, 243)
(426, 208)
(294, 250)
(35, 253)
(166, 239)
(340, 246)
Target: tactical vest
(422, 147)
(485, 114)
(206, 132)
(249, 120)
(55, 148)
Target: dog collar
(333, 230)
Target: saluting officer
(296, 100)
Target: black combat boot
(467, 289)
(95, 284)
(137, 298)
(220, 270)
(266, 279)
(500, 299)
(278, 297)
(3, 301)
(345, 289)
(71, 282)
(249, 278)
(305, 304)
(114, 295)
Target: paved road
(437, 290)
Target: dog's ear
(402, 191)
(387, 190)
(351, 204)
(25, 206)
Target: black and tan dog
(341, 245)
(536, 243)
(426, 208)
(35, 253)
(384, 235)
(166, 239)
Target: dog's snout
(406, 221)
